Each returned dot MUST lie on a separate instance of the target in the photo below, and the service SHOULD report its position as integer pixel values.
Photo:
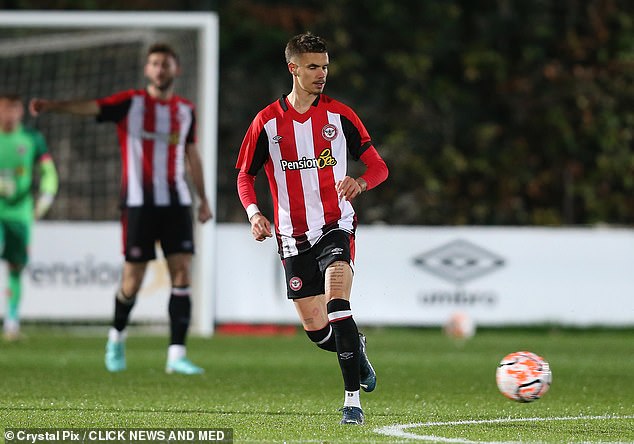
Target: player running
(302, 141)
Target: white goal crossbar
(69, 41)
(138, 25)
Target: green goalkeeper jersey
(20, 151)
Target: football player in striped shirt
(157, 135)
(304, 141)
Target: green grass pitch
(284, 389)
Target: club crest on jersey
(324, 160)
(295, 283)
(329, 132)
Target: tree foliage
(487, 112)
(493, 112)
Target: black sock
(347, 340)
(180, 308)
(323, 338)
(122, 308)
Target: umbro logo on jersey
(277, 139)
(324, 160)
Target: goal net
(60, 55)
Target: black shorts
(143, 227)
(305, 272)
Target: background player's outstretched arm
(79, 107)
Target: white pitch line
(398, 430)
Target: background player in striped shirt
(23, 155)
(303, 142)
(157, 133)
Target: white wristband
(43, 204)
(252, 210)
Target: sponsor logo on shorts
(135, 252)
(346, 355)
(337, 251)
(295, 283)
(187, 245)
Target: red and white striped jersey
(153, 135)
(304, 156)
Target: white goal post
(103, 27)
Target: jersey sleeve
(376, 171)
(246, 189)
(42, 157)
(49, 182)
(254, 150)
(357, 137)
(41, 149)
(115, 107)
(191, 134)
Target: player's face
(310, 71)
(11, 113)
(161, 69)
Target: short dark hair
(11, 96)
(304, 43)
(163, 48)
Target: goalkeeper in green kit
(22, 152)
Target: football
(523, 376)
